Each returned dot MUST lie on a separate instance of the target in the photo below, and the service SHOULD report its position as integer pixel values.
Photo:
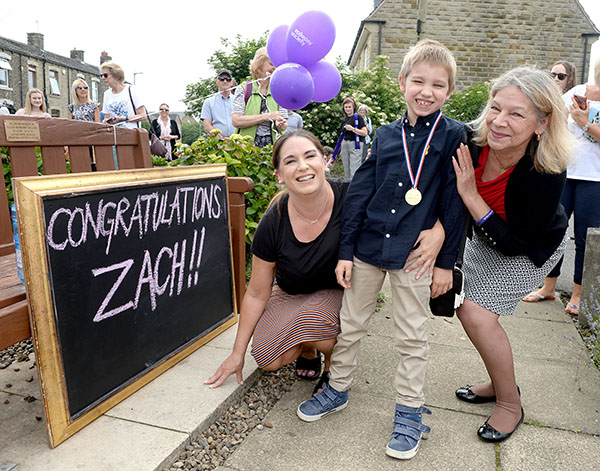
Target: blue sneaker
(408, 430)
(322, 403)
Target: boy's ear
(450, 92)
(402, 87)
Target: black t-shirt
(349, 135)
(302, 267)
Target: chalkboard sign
(137, 273)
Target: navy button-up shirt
(379, 226)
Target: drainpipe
(21, 69)
(380, 33)
(585, 37)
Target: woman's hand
(233, 364)
(343, 273)
(465, 174)
(349, 127)
(579, 116)
(442, 281)
(428, 246)
(273, 116)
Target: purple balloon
(276, 45)
(292, 86)
(327, 80)
(310, 38)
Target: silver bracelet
(586, 126)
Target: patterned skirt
(289, 320)
(498, 282)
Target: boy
(402, 189)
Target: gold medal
(413, 197)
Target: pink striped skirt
(292, 319)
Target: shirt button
(412, 134)
(387, 236)
(393, 211)
(399, 183)
(427, 123)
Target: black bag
(157, 147)
(445, 304)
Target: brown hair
(571, 74)
(348, 100)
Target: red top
(492, 191)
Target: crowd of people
(508, 182)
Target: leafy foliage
(466, 105)
(590, 308)
(243, 159)
(190, 131)
(237, 60)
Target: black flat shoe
(489, 434)
(467, 395)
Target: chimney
(104, 57)
(77, 54)
(35, 40)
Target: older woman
(296, 244)
(121, 104)
(522, 148)
(362, 110)
(254, 111)
(353, 131)
(166, 129)
(563, 73)
(583, 185)
(34, 104)
(81, 107)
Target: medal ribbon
(356, 136)
(415, 180)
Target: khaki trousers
(410, 300)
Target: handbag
(445, 304)
(157, 147)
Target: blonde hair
(597, 72)
(260, 57)
(30, 92)
(432, 52)
(115, 70)
(571, 74)
(74, 96)
(554, 150)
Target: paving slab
(355, 439)
(141, 433)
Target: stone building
(25, 66)
(487, 37)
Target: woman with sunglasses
(563, 73)
(82, 108)
(582, 190)
(166, 129)
(121, 104)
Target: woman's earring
(538, 137)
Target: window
(55, 113)
(3, 78)
(94, 95)
(32, 76)
(54, 88)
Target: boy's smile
(425, 88)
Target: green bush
(190, 132)
(243, 159)
(466, 105)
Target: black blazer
(174, 131)
(535, 219)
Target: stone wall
(590, 284)
(487, 37)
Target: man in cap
(216, 110)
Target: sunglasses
(104, 75)
(560, 76)
(163, 109)
(224, 79)
(81, 88)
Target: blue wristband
(485, 218)
(126, 118)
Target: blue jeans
(581, 198)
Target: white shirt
(119, 104)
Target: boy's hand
(442, 281)
(343, 272)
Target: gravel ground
(15, 353)
(211, 448)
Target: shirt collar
(422, 121)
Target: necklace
(312, 221)
(502, 166)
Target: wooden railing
(90, 145)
